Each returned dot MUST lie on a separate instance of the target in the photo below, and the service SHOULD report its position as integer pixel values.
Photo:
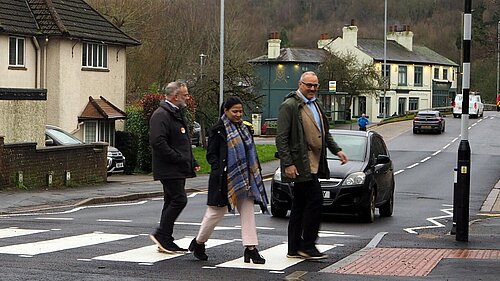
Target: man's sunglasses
(310, 85)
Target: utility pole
(498, 59)
(221, 56)
(464, 152)
(384, 67)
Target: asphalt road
(110, 242)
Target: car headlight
(277, 175)
(355, 179)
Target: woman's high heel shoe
(254, 256)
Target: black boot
(198, 250)
(254, 256)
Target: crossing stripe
(275, 258)
(13, 232)
(150, 254)
(54, 245)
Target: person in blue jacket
(362, 122)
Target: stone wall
(85, 163)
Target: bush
(127, 143)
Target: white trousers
(213, 215)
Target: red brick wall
(86, 163)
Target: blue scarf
(244, 179)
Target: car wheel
(415, 131)
(455, 115)
(442, 129)
(367, 214)
(277, 212)
(386, 209)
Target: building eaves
(16, 18)
(297, 55)
(397, 53)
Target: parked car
(476, 106)
(196, 136)
(55, 136)
(429, 120)
(269, 126)
(358, 187)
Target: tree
(353, 77)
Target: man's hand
(291, 172)
(343, 157)
(197, 168)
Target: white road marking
(436, 153)
(411, 166)
(110, 220)
(149, 254)
(425, 159)
(455, 139)
(324, 233)
(275, 259)
(435, 223)
(54, 219)
(446, 146)
(60, 244)
(14, 232)
(398, 172)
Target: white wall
(17, 78)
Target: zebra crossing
(145, 255)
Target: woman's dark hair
(230, 102)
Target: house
(417, 77)
(279, 72)
(61, 63)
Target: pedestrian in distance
(235, 181)
(362, 122)
(302, 139)
(173, 161)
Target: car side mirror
(49, 142)
(383, 159)
(276, 155)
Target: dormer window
(94, 55)
(16, 51)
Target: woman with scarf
(235, 181)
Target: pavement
(436, 256)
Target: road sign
(332, 86)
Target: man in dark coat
(302, 139)
(173, 161)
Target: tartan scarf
(244, 179)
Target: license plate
(119, 165)
(326, 194)
(426, 127)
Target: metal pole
(221, 59)
(384, 68)
(498, 58)
(464, 152)
(202, 57)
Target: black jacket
(217, 158)
(171, 144)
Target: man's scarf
(244, 179)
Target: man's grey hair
(173, 87)
(307, 73)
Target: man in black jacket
(173, 161)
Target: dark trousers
(305, 216)
(174, 201)
(362, 128)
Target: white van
(476, 107)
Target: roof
(294, 55)
(67, 18)
(101, 108)
(397, 53)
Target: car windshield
(353, 146)
(427, 114)
(62, 137)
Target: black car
(196, 134)
(358, 187)
(429, 120)
(55, 136)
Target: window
(16, 51)
(102, 130)
(94, 55)
(90, 132)
(402, 75)
(362, 105)
(445, 74)
(418, 76)
(413, 104)
(401, 106)
(436, 73)
(387, 75)
(384, 105)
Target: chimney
(324, 40)
(350, 33)
(403, 37)
(273, 45)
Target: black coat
(171, 144)
(217, 158)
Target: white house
(418, 77)
(73, 54)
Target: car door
(382, 172)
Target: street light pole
(202, 58)
(498, 58)
(221, 54)
(464, 152)
(384, 67)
